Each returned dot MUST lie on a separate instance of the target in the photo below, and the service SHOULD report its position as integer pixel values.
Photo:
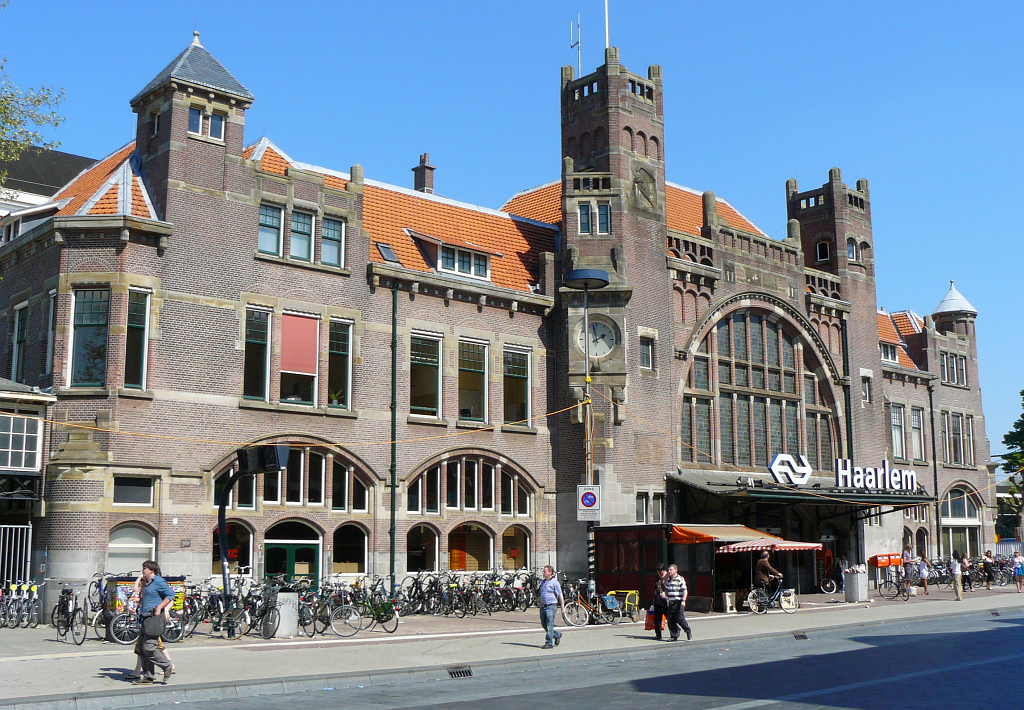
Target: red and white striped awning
(771, 544)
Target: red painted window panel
(299, 344)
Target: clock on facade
(602, 339)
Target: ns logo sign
(786, 470)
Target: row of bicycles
(897, 584)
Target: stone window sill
(133, 393)
(84, 392)
(471, 424)
(519, 429)
(260, 256)
(428, 421)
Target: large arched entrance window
(421, 549)
(470, 548)
(239, 549)
(922, 542)
(470, 482)
(349, 550)
(515, 548)
(961, 522)
(760, 383)
(130, 545)
(293, 549)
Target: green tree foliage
(22, 115)
(1013, 463)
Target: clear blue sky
(922, 99)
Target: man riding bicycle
(764, 572)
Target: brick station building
(188, 295)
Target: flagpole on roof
(607, 44)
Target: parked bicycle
(68, 615)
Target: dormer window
(195, 121)
(889, 353)
(217, 126)
(465, 262)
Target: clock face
(601, 338)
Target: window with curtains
(788, 411)
(300, 339)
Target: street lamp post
(586, 279)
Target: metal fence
(1005, 548)
(15, 552)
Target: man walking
(675, 592)
(550, 598)
(156, 596)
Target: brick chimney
(423, 175)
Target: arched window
(239, 548)
(922, 542)
(421, 549)
(349, 550)
(470, 548)
(130, 545)
(959, 504)
(470, 482)
(515, 548)
(787, 411)
(851, 250)
(821, 251)
(961, 522)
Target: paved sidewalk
(37, 671)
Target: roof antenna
(607, 44)
(576, 45)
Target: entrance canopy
(818, 490)
(772, 544)
(691, 534)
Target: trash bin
(288, 608)
(855, 586)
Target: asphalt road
(955, 662)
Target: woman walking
(1018, 570)
(925, 566)
(954, 569)
(988, 564)
(965, 573)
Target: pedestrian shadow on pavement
(114, 673)
(860, 678)
(524, 645)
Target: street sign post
(588, 503)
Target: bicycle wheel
(35, 613)
(789, 601)
(95, 594)
(99, 627)
(125, 628)
(14, 614)
(612, 616)
(828, 586)
(346, 620)
(761, 602)
(459, 606)
(175, 628)
(79, 629)
(888, 590)
(575, 614)
(270, 623)
(24, 613)
(235, 623)
(191, 621)
(903, 591)
(322, 618)
(306, 621)
(55, 619)
(387, 617)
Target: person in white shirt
(954, 568)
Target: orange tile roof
(887, 332)
(543, 203)
(684, 208)
(335, 182)
(905, 359)
(83, 187)
(106, 204)
(273, 162)
(139, 206)
(247, 153)
(388, 211)
(907, 323)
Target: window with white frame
(133, 490)
(423, 493)
(851, 250)
(604, 218)
(917, 433)
(272, 487)
(516, 496)
(425, 375)
(89, 338)
(865, 390)
(20, 339)
(646, 353)
(470, 470)
(657, 508)
(300, 348)
(301, 246)
(256, 369)
(339, 486)
(217, 121)
(294, 477)
(944, 417)
(956, 438)
(21, 439)
(414, 496)
(51, 331)
(465, 262)
(487, 486)
(896, 419)
(969, 440)
(317, 479)
(586, 226)
(339, 364)
(641, 508)
(219, 490)
(270, 230)
(821, 251)
(453, 486)
(516, 386)
(136, 340)
(360, 496)
(472, 381)
(332, 242)
(130, 545)
(889, 353)
(195, 121)
(154, 123)
(245, 493)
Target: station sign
(787, 470)
(588, 503)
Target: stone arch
(627, 138)
(641, 143)
(600, 139)
(703, 303)
(586, 146)
(654, 149)
(295, 438)
(570, 148)
(422, 547)
(677, 303)
(241, 545)
(689, 306)
(836, 336)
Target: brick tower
(613, 202)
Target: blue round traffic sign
(589, 500)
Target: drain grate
(995, 613)
(460, 672)
(800, 637)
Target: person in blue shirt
(157, 595)
(550, 598)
